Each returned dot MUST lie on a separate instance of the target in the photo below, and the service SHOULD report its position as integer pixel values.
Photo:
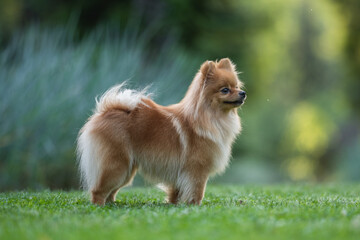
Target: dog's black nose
(242, 94)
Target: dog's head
(221, 84)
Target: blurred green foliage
(300, 61)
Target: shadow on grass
(140, 204)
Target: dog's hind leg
(112, 197)
(114, 173)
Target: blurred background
(300, 62)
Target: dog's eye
(225, 90)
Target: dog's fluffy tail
(89, 150)
(119, 97)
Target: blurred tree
(351, 9)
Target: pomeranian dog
(179, 146)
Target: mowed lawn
(227, 212)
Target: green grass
(227, 212)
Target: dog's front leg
(192, 188)
(198, 191)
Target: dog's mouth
(235, 103)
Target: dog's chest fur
(221, 135)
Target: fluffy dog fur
(179, 146)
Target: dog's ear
(207, 68)
(226, 63)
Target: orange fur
(179, 146)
